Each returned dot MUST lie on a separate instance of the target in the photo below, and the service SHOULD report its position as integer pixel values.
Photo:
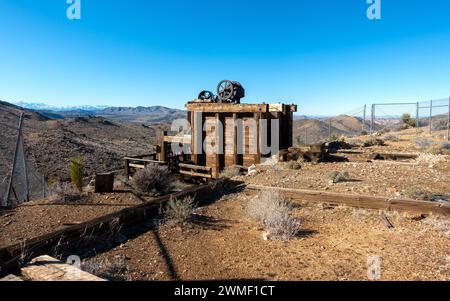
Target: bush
(76, 170)
(337, 176)
(391, 137)
(290, 165)
(152, 180)
(274, 212)
(63, 191)
(440, 149)
(418, 193)
(406, 118)
(180, 211)
(422, 143)
(372, 141)
(230, 172)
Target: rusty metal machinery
(230, 92)
(227, 92)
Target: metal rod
(448, 123)
(417, 118)
(431, 115)
(364, 119)
(8, 191)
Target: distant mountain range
(45, 107)
(138, 115)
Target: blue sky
(324, 55)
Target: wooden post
(235, 139)
(257, 117)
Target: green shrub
(76, 171)
(338, 176)
(406, 118)
(418, 193)
(180, 211)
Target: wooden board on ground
(362, 201)
(46, 268)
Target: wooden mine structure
(223, 124)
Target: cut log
(46, 268)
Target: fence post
(417, 119)
(8, 191)
(431, 115)
(372, 120)
(364, 119)
(448, 123)
(329, 129)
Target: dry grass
(180, 211)
(63, 191)
(339, 176)
(106, 269)
(230, 172)
(153, 180)
(418, 193)
(273, 211)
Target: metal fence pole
(8, 191)
(329, 129)
(448, 123)
(372, 120)
(364, 119)
(417, 119)
(431, 115)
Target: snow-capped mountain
(45, 107)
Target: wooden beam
(226, 108)
(46, 268)
(362, 201)
(11, 256)
(195, 174)
(186, 139)
(196, 167)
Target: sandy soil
(37, 218)
(334, 245)
(383, 178)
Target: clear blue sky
(324, 55)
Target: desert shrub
(106, 269)
(440, 149)
(439, 125)
(290, 165)
(418, 193)
(339, 176)
(152, 180)
(422, 143)
(180, 211)
(230, 172)
(406, 118)
(384, 131)
(391, 137)
(364, 133)
(76, 171)
(372, 141)
(63, 191)
(273, 211)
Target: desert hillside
(50, 143)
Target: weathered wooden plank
(195, 174)
(10, 278)
(46, 268)
(144, 160)
(227, 108)
(362, 201)
(196, 167)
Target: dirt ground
(43, 217)
(334, 244)
(383, 178)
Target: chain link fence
(19, 181)
(316, 130)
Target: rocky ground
(334, 244)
